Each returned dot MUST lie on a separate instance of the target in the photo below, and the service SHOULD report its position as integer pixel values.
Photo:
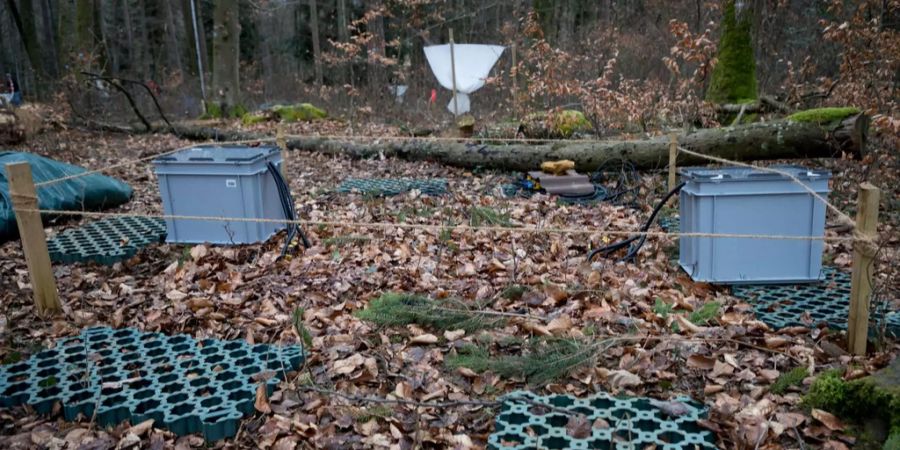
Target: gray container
(220, 181)
(737, 200)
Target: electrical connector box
(738, 200)
(220, 181)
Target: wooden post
(34, 242)
(673, 157)
(453, 74)
(863, 270)
(282, 144)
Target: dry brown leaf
(701, 362)
(720, 369)
(620, 379)
(262, 400)
(776, 341)
(454, 335)
(424, 339)
(141, 428)
(578, 426)
(347, 365)
(560, 325)
(827, 419)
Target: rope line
(385, 225)
(844, 218)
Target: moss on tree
(823, 115)
(734, 77)
(298, 112)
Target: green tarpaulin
(90, 192)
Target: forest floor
(727, 361)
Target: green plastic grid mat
(530, 421)
(185, 385)
(670, 224)
(393, 186)
(785, 305)
(107, 240)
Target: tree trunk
(24, 21)
(734, 76)
(172, 41)
(50, 56)
(84, 34)
(317, 50)
(226, 56)
(757, 141)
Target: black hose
(287, 206)
(633, 249)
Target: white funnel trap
(473, 64)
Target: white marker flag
(473, 64)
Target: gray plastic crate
(220, 181)
(737, 200)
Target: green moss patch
(857, 401)
(788, 379)
(252, 119)
(823, 115)
(734, 77)
(299, 112)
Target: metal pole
(199, 56)
(453, 74)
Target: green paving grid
(106, 241)
(785, 305)
(524, 423)
(670, 224)
(185, 385)
(388, 187)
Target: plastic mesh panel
(106, 241)
(185, 385)
(634, 422)
(392, 186)
(828, 302)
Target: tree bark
(226, 55)
(757, 141)
(317, 49)
(24, 21)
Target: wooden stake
(673, 156)
(34, 242)
(863, 270)
(282, 144)
(453, 74)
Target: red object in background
(433, 96)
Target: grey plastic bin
(220, 181)
(737, 200)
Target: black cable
(287, 206)
(633, 249)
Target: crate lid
(218, 154)
(735, 173)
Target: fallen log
(787, 139)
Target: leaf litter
(707, 346)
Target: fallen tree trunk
(757, 141)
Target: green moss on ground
(213, 111)
(823, 115)
(568, 122)
(252, 119)
(564, 123)
(857, 401)
(788, 379)
(734, 77)
(298, 112)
